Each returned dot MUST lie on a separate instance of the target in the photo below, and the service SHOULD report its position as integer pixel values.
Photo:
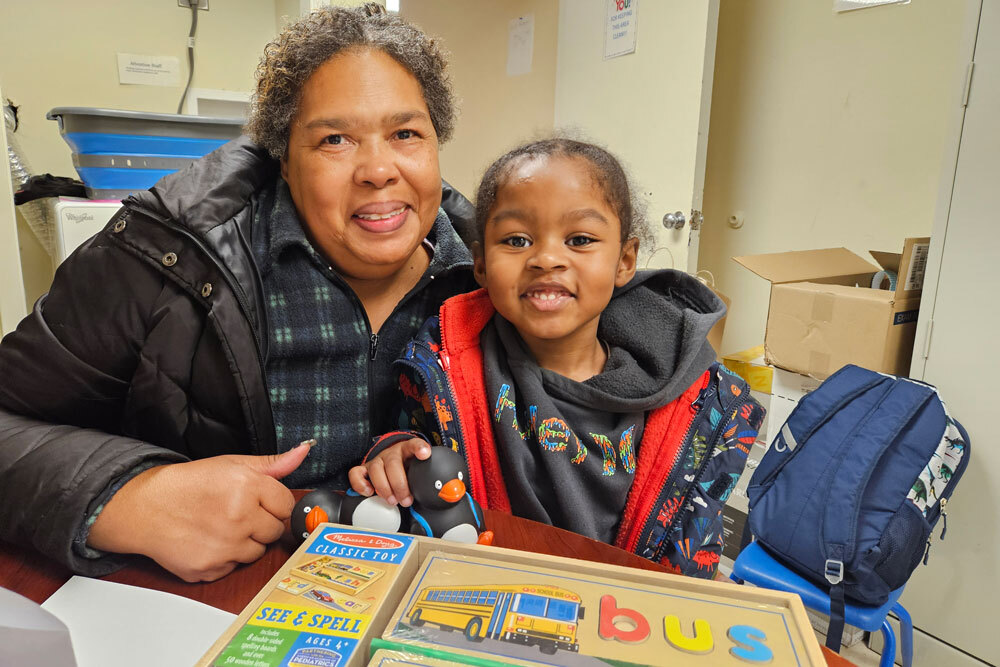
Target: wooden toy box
(488, 605)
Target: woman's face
(362, 164)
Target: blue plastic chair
(759, 568)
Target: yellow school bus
(543, 616)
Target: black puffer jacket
(148, 349)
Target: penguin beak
(452, 491)
(315, 517)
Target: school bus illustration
(543, 616)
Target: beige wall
(62, 53)
(497, 111)
(826, 130)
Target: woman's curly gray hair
(303, 46)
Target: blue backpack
(851, 488)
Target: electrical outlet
(202, 4)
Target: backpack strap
(880, 429)
(816, 408)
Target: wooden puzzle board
(525, 610)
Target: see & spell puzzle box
(324, 605)
(347, 592)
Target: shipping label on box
(496, 609)
(323, 606)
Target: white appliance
(76, 220)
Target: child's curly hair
(607, 171)
(303, 46)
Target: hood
(657, 327)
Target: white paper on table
(114, 624)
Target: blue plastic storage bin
(119, 152)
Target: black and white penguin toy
(352, 509)
(441, 505)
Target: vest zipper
(695, 407)
(373, 346)
(723, 420)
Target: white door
(954, 598)
(650, 107)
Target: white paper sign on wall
(149, 70)
(520, 44)
(620, 27)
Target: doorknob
(673, 220)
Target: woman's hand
(386, 472)
(201, 519)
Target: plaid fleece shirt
(329, 376)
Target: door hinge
(968, 83)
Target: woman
(252, 301)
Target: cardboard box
(723, 621)
(824, 313)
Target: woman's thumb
(280, 465)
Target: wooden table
(32, 575)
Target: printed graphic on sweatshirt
(555, 435)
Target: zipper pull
(927, 551)
(944, 517)
(374, 345)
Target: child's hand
(386, 472)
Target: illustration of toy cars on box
(543, 616)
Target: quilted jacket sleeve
(64, 382)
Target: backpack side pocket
(902, 543)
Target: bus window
(492, 598)
(533, 605)
(560, 610)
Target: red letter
(611, 616)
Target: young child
(581, 393)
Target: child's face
(552, 253)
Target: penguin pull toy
(442, 507)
